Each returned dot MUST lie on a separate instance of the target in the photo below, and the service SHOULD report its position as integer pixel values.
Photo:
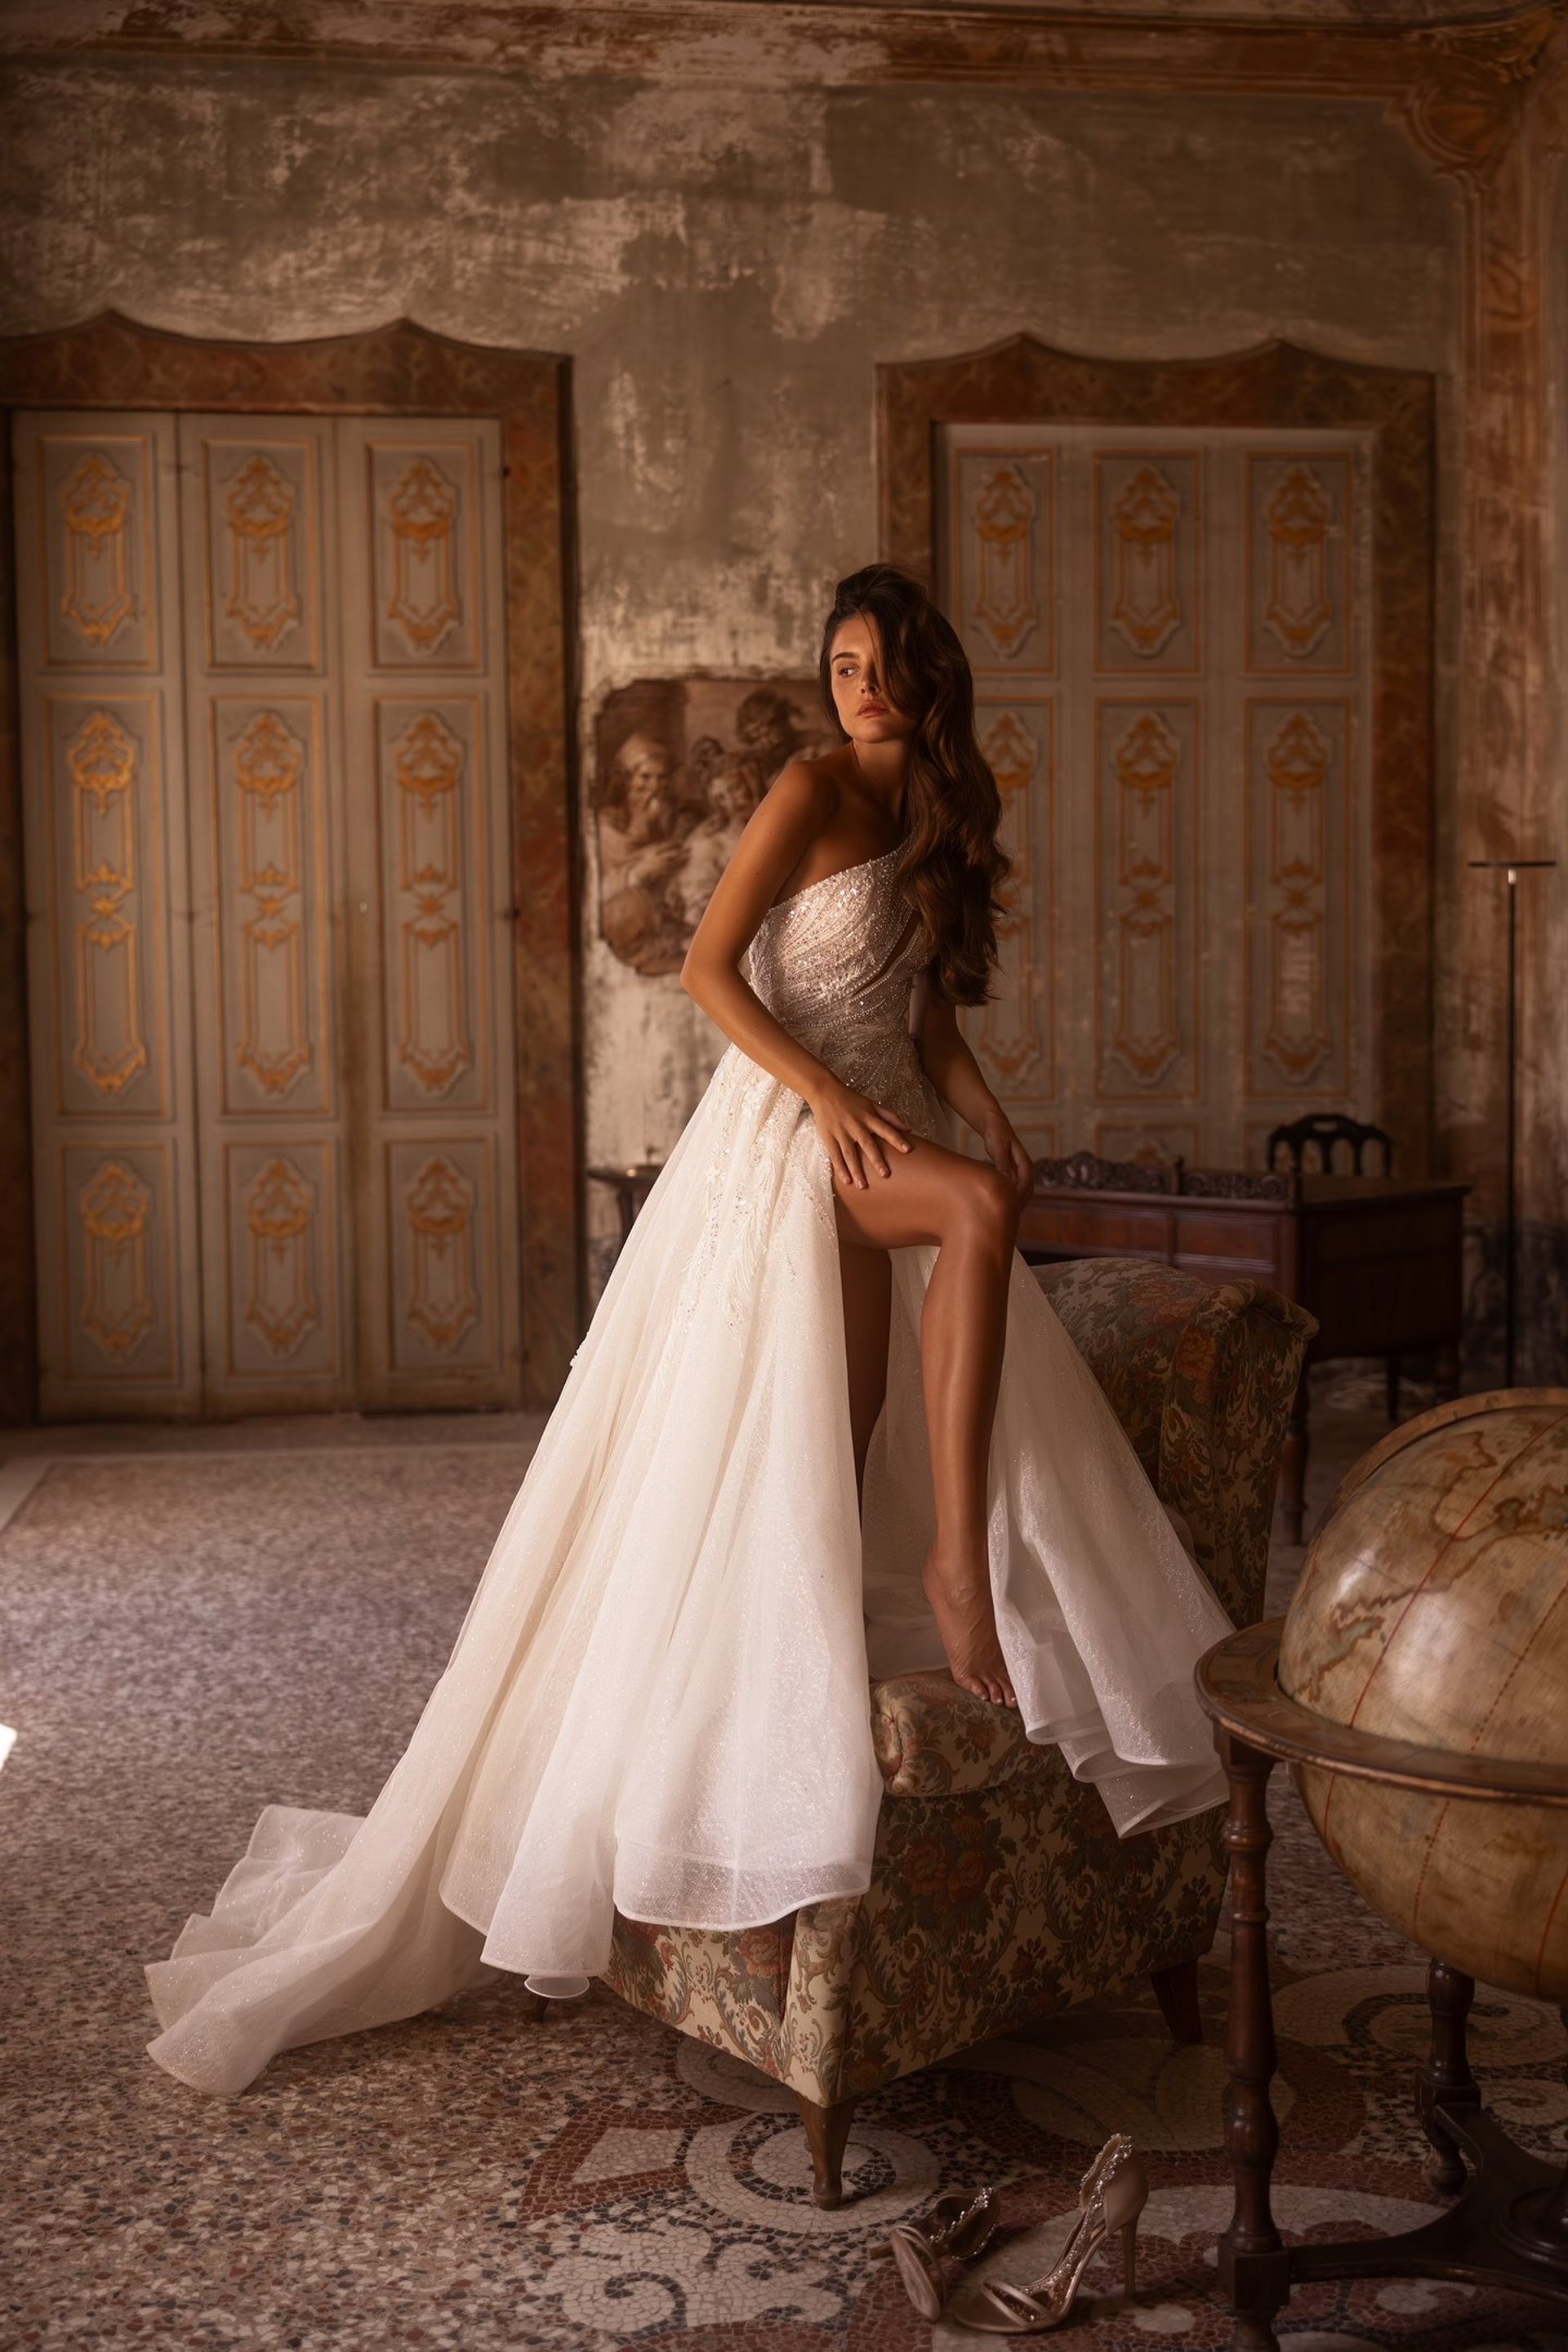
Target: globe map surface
(1433, 1609)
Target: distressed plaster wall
(724, 267)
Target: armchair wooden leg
(1176, 1989)
(828, 2133)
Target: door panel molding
(401, 370)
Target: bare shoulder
(805, 794)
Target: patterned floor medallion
(188, 1638)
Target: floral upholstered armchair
(1001, 1892)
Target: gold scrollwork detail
(422, 513)
(115, 1207)
(1005, 606)
(261, 595)
(1299, 608)
(1146, 518)
(279, 1208)
(1297, 761)
(95, 501)
(1147, 762)
(1008, 1040)
(269, 767)
(433, 1043)
(444, 1301)
(110, 1050)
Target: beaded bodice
(834, 965)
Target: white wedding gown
(656, 1701)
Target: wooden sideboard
(1377, 1259)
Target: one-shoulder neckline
(860, 865)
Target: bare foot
(961, 1603)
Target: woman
(656, 1702)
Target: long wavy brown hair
(952, 867)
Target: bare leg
(970, 1214)
(868, 1283)
(963, 1327)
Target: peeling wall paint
(725, 268)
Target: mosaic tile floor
(188, 1634)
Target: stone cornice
(834, 42)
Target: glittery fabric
(657, 1704)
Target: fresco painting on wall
(679, 764)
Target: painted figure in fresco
(729, 792)
(642, 832)
(768, 727)
(667, 825)
(823, 1424)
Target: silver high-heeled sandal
(1111, 2195)
(959, 2226)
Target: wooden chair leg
(827, 2134)
(1176, 1991)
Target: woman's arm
(954, 1071)
(786, 821)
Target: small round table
(631, 1186)
(1509, 2227)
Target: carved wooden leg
(1446, 2081)
(827, 2131)
(1176, 1989)
(1293, 1463)
(1390, 1374)
(1254, 2267)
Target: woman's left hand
(1007, 1152)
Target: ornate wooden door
(269, 875)
(1170, 633)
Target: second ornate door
(1171, 633)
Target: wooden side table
(1509, 2226)
(1376, 1260)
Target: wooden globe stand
(1509, 2225)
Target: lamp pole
(1512, 868)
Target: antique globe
(1433, 1611)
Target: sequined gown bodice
(656, 1702)
(834, 965)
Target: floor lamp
(1513, 867)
